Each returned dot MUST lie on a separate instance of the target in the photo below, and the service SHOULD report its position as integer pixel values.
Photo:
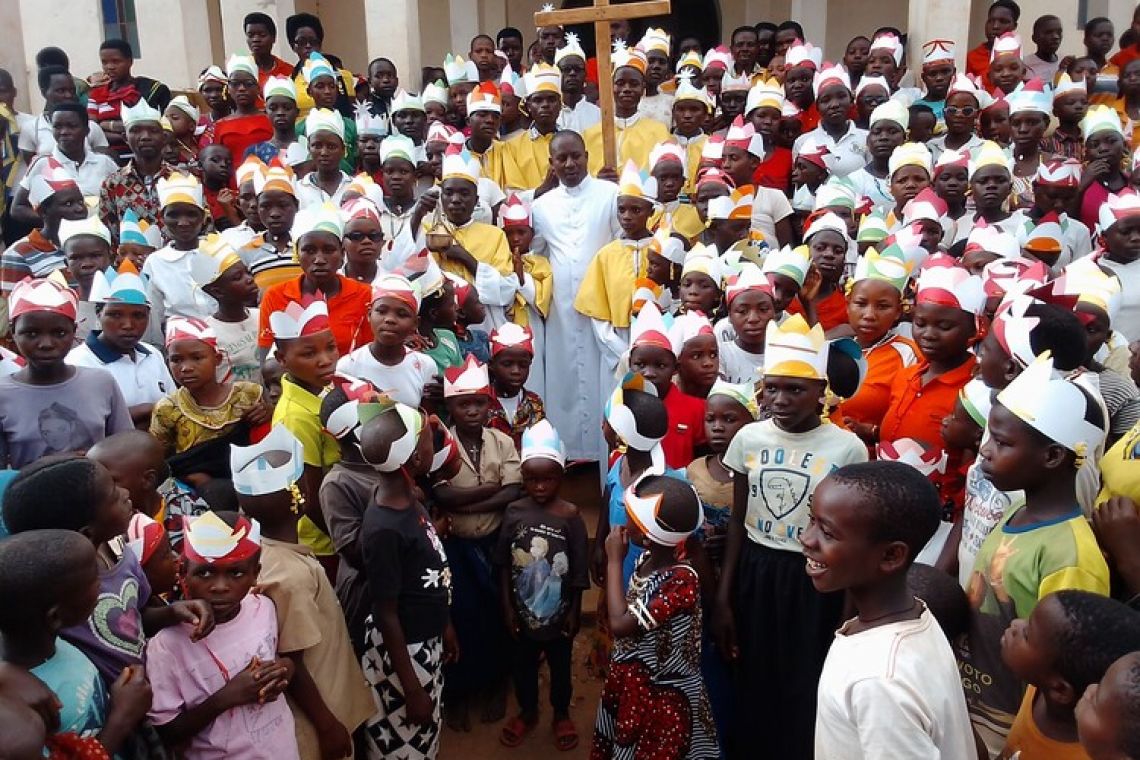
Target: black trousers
(525, 672)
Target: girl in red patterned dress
(654, 705)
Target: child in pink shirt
(220, 696)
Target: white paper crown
(542, 77)
(435, 92)
(687, 326)
(1085, 279)
(643, 510)
(254, 473)
(993, 239)
(910, 154)
(1051, 405)
(298, 319)
(1100, 118)
(87, 226)
(46, 178)
(541, 441)
(324, 120)
(829, 76)
(180, 188)
(788, 261)
(461, 165)
(889, 41)
(1033, 96)
(803, 54)
(398, 146)
(458, 69)
(793, 349)
(733, 83)
(183, 104)
(686, 90)
(936, 51)
(241, 63)
(910, 451)
(1006, 45)
(279, 86)
(214, 256)
(891, 110)
(138, 113)
(1118, 206)
(1066, 84)
(367, 124)
(571, 48)
(405, 101)
(766, 93)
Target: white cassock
(571, 225)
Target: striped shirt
(30, 256)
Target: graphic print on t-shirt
(61, 430)
(116, 619)
(783, 490)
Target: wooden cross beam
(600, 14)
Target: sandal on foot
(514, 732)
(565, 735)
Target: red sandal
(565, 735)
(514, 731)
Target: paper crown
(687, 91)
(826, 222)
(620, 417)
(348, 417)
(139, 113)
(439, 132)
(359, 208)
(1101, 118)
(570, 49)
(910, 451)
(180, 188)
(891, 110)
(459, 70)
(831, 76)
(317, 66)
(459, 163)
(398, 146)
(248, 169)
(963, 83)
(1118, 206)
(1093, 286)
(469, 379)
(514, 213)
(835, 192)
(365, 187)
(793, 349)
(1005, 276)
(511, 83)
(951, 158)
(405, 101)
(271, 465)
(1059, 172)
(541, 441)
(712, 175)
(937, 51)
(511, 335)
(190, 328)
(667, 244)
(789, 262)
(690, 59)
(275, 177)
(143, 536)
(814, 152)
(370, 125)
(650, 329)
(1033, 96)
(976, 398)
(183, 104)
(323, 218)
(873, 265)
(750, 278)
(943, 283)
(992, 239)
(990, 154)
(890, 42)
(766, 93)
(910, 154)
(637, 184)
(423, 272)
(1052, 405)
(730, 82)
(905, 244)
(542, 77)
(212, 75)
(742, 393)
(704, 260)
(135, 231)
(803, 54)
(655, 39)
(125, 286)
(736, 205)
(685, 327)
(718, 57)
(484, 97)
(48, 177)
(926, 206)
(324, 120)
(743, 135)
(401, 449)
(1045, 236)
(1007, 45)
(867, 81)
(435, 92)
(89, 226)
(623, 56)
(213, 258)
(1066, 85)
(46, 294)
(644, 511)
(713, 149)
(397, 287)
(241, 63)
(872, 228)
(668, 151)
(208, 539)
(646, 291)
(279, 87)
(307, 317)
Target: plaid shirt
(127, 189)
(1064, 145)
(530, 411)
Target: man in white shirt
(36, 138)
(578, 114)
(571, 223)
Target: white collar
(629, 122)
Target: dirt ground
(582, 486)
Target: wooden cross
(601, 13)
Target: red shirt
(686, 432)
(237, 133)
(279, 69)
(978, 63)
(1130, 53)
(831, 311)
(348, 312)
(775, 171)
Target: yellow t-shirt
(300, 412)
(1120, 468)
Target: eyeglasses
(966, 111)
(359, 237)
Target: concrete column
(233, 35)
(392, 28)
(12, 56)
(812, 15)
(493, 14)
(464, 24)
(174, 47)
(75, 25)
(939, 19)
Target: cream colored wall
(74, 25)
(12, 57)
(435, 34)
(345, 32)
(847, 19)
(175, 41)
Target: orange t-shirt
(884, 363)
(1025, 737)
(348, 312)
(916, 410)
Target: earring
(298, 499)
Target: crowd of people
(294, 368)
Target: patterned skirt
(389, 734)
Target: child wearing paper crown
(475, 499)
(171, 288)
(220, 272)
(409, 634)
(469, 312)
(751, 306)
(532, 302)
(198, 420)
(1040, 429)
(1119, 220)
(651, 703)
(827, 240)
(138, 239)
(149, 542)
(543, 558)
(606, 292)
(514, 409)
(769, 620)
(48, 406)
(327, 694)
(218, 693)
